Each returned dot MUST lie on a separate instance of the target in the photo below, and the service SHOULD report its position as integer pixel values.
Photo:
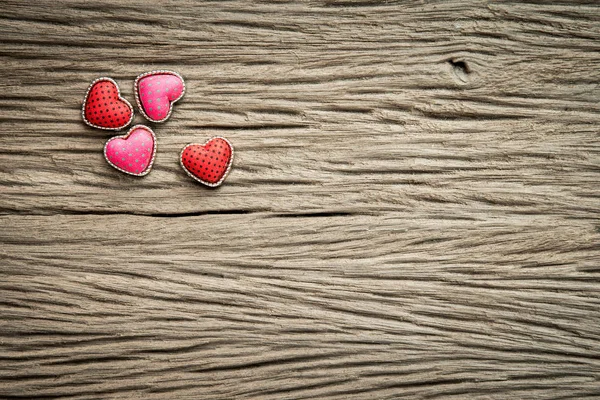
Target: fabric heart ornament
(103, 106)
(208, 163)
(132, 153)
(155, 93)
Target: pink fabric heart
(156, 92)
(132, 153)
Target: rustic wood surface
(413, 209)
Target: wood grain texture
(413, 209)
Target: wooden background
(413, 209)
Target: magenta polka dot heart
(132, 153)
(155, 93)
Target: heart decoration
(208, 163)
(132, 153)
(103, 106)
(155, 93)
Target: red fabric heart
(208, 163)
(104, 107)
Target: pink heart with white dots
(132, 153)
(155, 93)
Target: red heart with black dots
(104, 107)
(208, 163)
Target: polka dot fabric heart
(132, 153)
(208, 163)
(155, 93)
(104, 107)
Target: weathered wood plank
(288, 91)
(413, 210)
(344, 307)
